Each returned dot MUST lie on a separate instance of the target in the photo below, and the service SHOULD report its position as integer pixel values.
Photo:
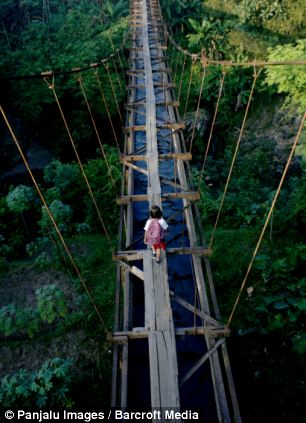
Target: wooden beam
(126, 199)
(133, 269)
(200, 362)
(158, 103)
(192, 309)
(141, 333)
(128, 257)
(201, 251)
(212, 331)
(156, 84)
(142, 157)
(137, 168)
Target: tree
(290, 80)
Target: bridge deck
(155, 141)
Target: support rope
(268, 216)
(96, 72)
(54, 222)
(193, 61)
(79, 79)
(182, 75)
(52, 88)
(255, 77)
(113, 90)
(212, 128)
(198, 108)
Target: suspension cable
(212, 128)
(51, 86)
(198, 107)
(117, 75)
(193, 61)
(258, 63)
(50, 214)
(255, 77)
(182, 75)
(113, 90)
(176, 66)
(96, 72)
(269, 215)
(79, 80)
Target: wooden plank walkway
(150, 90)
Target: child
(155, 231)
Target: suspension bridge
(169, 343)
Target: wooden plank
(169, 156)
(132, 166)
(128, 257)
(158, 103)
(202, 251)
(149, 292)
(211, 331)
(192, 309)
(176, 126)
(200, 362)
(126, 199)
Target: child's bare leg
(157, 254)
(153, 249)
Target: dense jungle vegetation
(49, 342)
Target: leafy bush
(20, 198)
(18, 320)
(290, 80)
(48, 386)
(259, 11)
(62, 214)
(51, 303)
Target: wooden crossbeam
(156, 84)
(132, 166)
(175, 126)
(195, 310)
(144, 333)
(200, 362)
(202, 251)
(159, 103)
(132, 269)
(176, 185)
(170, 156)
(126, 199)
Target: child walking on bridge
(155, 229)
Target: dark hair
(155, 212)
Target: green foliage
(15, 319)
(20, 198)
(259, 11)
(62, 213)
(51, 303)
(178, 12)
(48, 386)
(210, 34)
(290, 80)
